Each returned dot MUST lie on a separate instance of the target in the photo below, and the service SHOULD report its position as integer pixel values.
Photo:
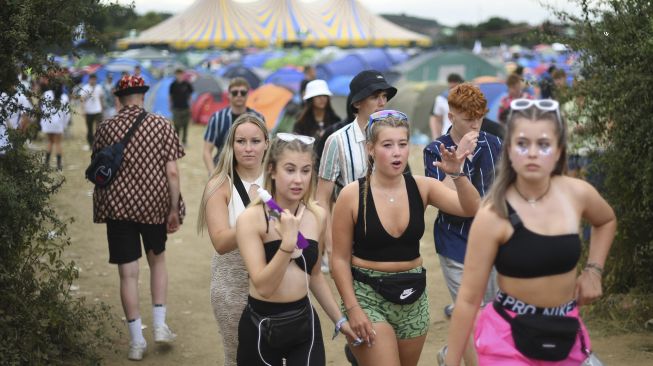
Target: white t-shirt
(91, 97)
(20, 104)
(441, 108)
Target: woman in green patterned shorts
(377, 224)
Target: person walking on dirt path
(378, 221)
(180, 93)
(144, 201)
(279, 325)
(467, 106)
(528, 228)
(230, 189)
(92, 97)
(220, 122)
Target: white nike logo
(407, 292)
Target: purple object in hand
(267, 198)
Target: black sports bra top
(379, 246)
(310, 254)
(528, 255)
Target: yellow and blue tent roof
(262, 23)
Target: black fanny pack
(400, 288)
(542, 337)
(285, 329)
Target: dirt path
(188, 258)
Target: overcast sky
(445, 12)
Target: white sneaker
(325, 264)
(163, 334)
(442, 354)
(136, 350)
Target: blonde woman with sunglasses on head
(228, 192)
(528, 228)
(279, 325)
(377, 225)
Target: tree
(615, 42)
(41, 322)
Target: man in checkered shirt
(143, 201)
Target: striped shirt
(450, 231)
(219, 124)
(344, 158)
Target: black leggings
(248, 350)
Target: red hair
(468, 98)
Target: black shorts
(125, 240)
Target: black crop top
(527, 254)
(379, 246)
(310, 253)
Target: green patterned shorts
(408, 321)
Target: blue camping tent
(259, 59)
(351, 64)
(288, 77)
(339, 85)
(117, 66)
(375, 58)
(396, 55)
(238, 70)
(493, 93)
(156, 99)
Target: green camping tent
(435, 66)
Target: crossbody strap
(132, 129)
(240, 187)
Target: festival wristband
(339, 324)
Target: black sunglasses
(241, 92)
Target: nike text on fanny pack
(407, 292)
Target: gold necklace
(533, 201)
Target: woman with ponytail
(377, 225)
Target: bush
(41, 322)
(615, 42)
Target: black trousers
(248, 339)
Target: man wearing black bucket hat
(143, 201)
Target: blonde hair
(226, 164)
(506, 175)
(372, 133)
(276, 150)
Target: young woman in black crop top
(279, 278)
(528, 227)
(377, 224)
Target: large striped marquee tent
(263, 23)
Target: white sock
(136, 331)
(158, 315)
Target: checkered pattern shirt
(140, 191)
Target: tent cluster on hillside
(264, 23)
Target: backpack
(105, 163)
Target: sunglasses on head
(548, 105)
(241, 92)
(541, 104)
(289, 137)
(377, 116)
